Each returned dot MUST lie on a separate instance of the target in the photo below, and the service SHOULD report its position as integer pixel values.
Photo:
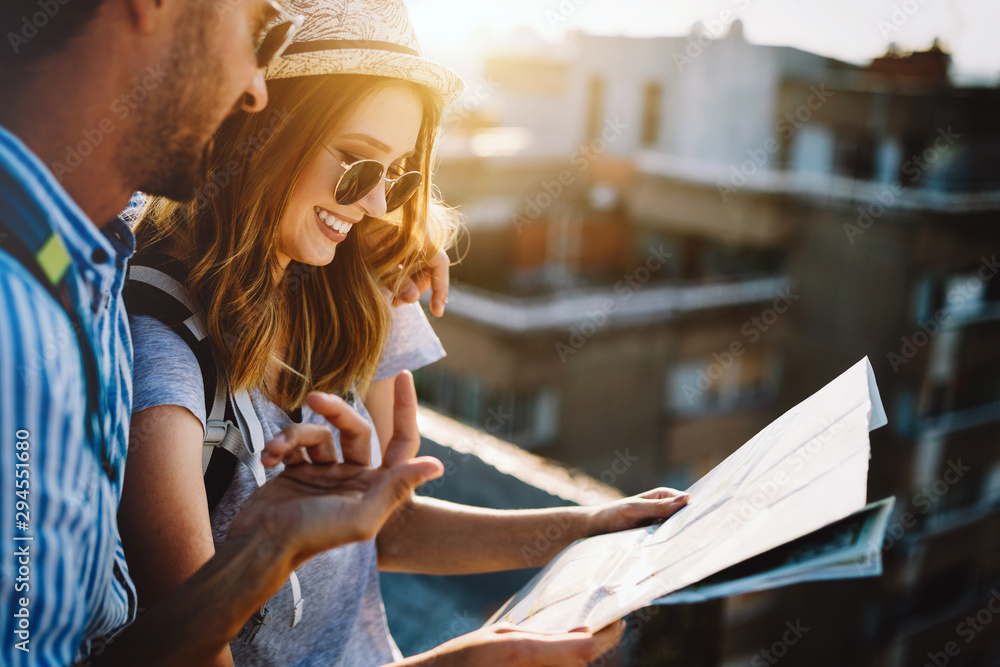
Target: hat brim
(445, 83)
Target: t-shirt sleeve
(412, 342)
(166, 372)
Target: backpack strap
(156, 289)
(232, 430)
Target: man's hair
(31, 29)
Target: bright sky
(852, 30)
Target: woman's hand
(647, 508)
(508, 645)
(434, 276)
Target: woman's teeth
(333, 222)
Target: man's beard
(169, 147)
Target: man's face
(205, 75)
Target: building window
(991, 487)
(651, 103)
(854, 155)
(595, 107)
(716, 383)
(529, 418)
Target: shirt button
(100, 256)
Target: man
(101, 98)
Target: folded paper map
(788, 506)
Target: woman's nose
(374, 202)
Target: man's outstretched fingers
(355, 433)
(405, 441)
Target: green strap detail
(54, 259)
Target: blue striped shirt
(64, 586)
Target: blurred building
(674, 240)
(425, 611)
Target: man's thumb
(405, 477)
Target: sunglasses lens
(274, 43)
(357, 182)
(402, 190)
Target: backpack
(233, 433)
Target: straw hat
(372, 37)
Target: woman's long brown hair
(333, 320)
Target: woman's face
(384, 128)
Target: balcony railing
(647, 304)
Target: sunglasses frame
(391, 182)
(291, 26)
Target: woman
(298, 305)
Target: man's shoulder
(30, 317)
(19, 280)
(22, 292)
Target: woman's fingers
(405, 435)
(289, 445)
(440, 274)
(435, 276)
(355, 433)
(409, 292)
(661, 493)
(649, 510)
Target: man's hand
(312, 508)
(510, 646)
(435, 275)
(654, 506)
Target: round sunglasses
(361, 177)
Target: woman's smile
(333, 226)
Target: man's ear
(148, 15)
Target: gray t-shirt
(343, 620)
